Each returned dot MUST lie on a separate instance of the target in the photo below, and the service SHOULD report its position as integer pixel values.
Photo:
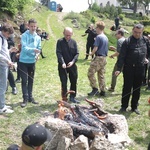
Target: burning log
(91, 121)
(96, 107)
(86, 130)
(85, 120)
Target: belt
(100, 55)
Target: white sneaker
(6, 110)
(7, 107)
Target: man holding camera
(90, 39)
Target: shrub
(145, 18)
(145, 22)
(121, 16)
(93, 20)
(146, 31)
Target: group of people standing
(131, 52)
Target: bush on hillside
(11, 7)
(81, 19)
(146, 31)
(121, 16)
(145, 22)
(145, 18)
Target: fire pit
(76, 127)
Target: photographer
(90, 39)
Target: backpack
(145, 39)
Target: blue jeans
(3, 84)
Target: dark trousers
(70, 73)
(27, 76)
(132, 84)
(148, 79)
(18, 70)
(88, 47)
(11, 79)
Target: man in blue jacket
(30, 48)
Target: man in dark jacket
(90, 39)
(132, 57)
(67, 55)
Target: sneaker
(111, 89)
(122, 110)
(31, 100)
(73, 100)
(93, 92)
(7, 107)
(24, 103)
(14, 91)
(6, 110)
(136, 111)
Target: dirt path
(60, 16)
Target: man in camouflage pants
(98, 64)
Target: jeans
(3, 84)
(27, 76)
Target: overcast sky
(73, 5)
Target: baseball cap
(13, 147)
(35, 135)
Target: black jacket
(133, 52)
(66, 51)
(91, 35)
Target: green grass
(47, 89)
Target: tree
(130, 3)
(146, 5)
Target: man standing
(132, 56)
(90, 39)
(99, 62)
(120, 36)
(117, 22)
(5, 63)
(30, 48)
(67, 55)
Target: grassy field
(47, 88)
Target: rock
(81, 143)
(58, 128)
(64, 143)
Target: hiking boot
(111, 89)
(24, 103)
(136, 111)
(122, 110)
(102, 93)
(93, 92)
(31, 100)
(73, 100)
(14, 90)
(6, 110)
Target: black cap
(36, 135)
(13, 147)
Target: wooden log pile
(85, 120)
